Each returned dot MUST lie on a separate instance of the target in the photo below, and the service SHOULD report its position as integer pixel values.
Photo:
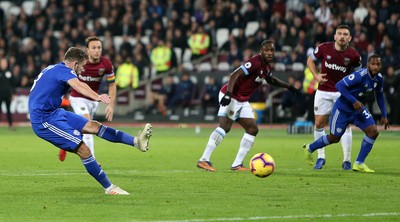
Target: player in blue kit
(349, 109)
(64, 129)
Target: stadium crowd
(34, 38)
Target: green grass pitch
(165, 184)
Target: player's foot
(206, 165)
(115, 190)
(362, 167)
(346, 165)
(240, 168)
(142, 139)
(308, 155)
(62, 154)
(319, 163)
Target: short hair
(343, 27)
(267, 41)
(90, 39)
(75, 54)
(373, 55)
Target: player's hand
(109, 112)
(226, 99)
(104, 98)
(321, 78)
(358, 106)
(294, 90)
(385, 123)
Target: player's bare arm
(313, 68)
(112, 92)
(84, 89)
(233, 78)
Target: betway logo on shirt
(335, 67)
(89, 78)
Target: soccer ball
(262, 165)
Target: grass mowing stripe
(286, 217)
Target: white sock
(215, 138)
(317, 134)
(347, 141)
(245, 146)
(89, 141)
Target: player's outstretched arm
(112, 92)
(85, 90)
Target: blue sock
(366, 146)
(320, 142)
(93, 169)
(114, 135)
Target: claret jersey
(336, 64)
(256, 71)
(93, 73)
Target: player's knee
(252, 130)
(333, 138)
(373, 134)
(83, 151)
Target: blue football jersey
(48, 89)
(359, 85)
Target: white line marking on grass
(285, 217)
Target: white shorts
(235, 109)
(83, 106)
(323, 102)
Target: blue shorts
(62, 128)
(340, 120)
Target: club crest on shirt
(328, 57)
(346, 61)
(102, 71)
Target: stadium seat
(103, 21)
(235, 32)
(6, 5)
(178, 53)
(186, 55)
(287, 48)
(222, 36)
(28, 7)
(204, 67)
(43, 3)
(298, 66)
(251, 28)
(279, 66)
(188, 66)
(13, 10)
(224, 66)
(117, 42)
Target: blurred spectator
(392, 85)
(209, 95)
(310, 86)
(7, 90)
(183, 93)
(162, 98)
(127, 75)
(199, 43)
(361, 12)
(162, 57)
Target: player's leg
(141, 141)
(90, 163)
(225, 124)
(347, 142)
(367, 124)
(323, 104)
(339, 121)
(214, 140)
(250, 125)
(85, 108)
